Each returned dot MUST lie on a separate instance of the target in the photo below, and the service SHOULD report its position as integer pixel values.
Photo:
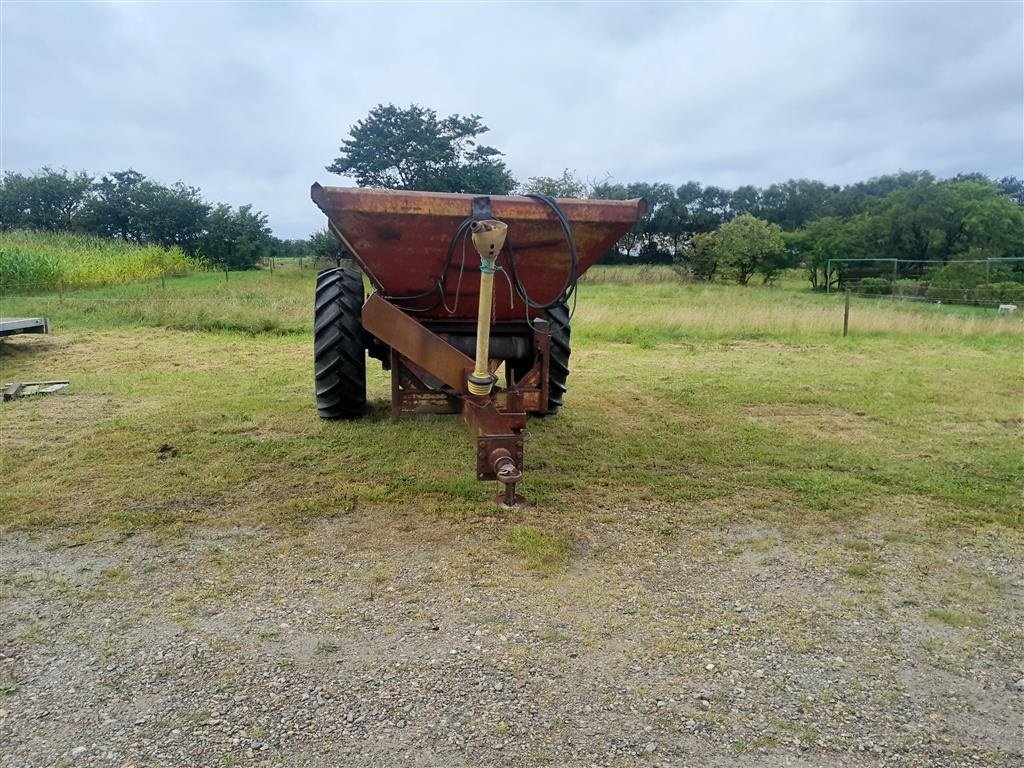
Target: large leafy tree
(412, 148)
(49, 199)
(324, 245)
(747, 245)
(236, 239)
(793, 203)
(127, 205)
(829, 238)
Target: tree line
(735, 234)
(128, 206)
(710, 231)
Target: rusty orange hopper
(465, 287)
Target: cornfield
(41, 260)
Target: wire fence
(991, 282)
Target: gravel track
(365, 641)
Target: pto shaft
(488, 239)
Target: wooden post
(225, 272)
(60, 290)
(846, 313)
(163, 284)
(895, 276)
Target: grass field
(722, 450)
(680, 394)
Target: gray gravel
(366, 641)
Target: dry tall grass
(692, 310)
(626, 274)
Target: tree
(567, 185)
(173, 215)
(235, 239)
(746, 245)
(850, 200)
(115, 207)
(626, 249)
(324, 245)
(1013, 188)
(793, 203)
(48, 199)
(940, 220)
(746, 199)
(699, 254)
(829, 238)
(127, 205)
(396, 148)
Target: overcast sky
(250, 102)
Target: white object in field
(12, 325)
(26, 388)
(1007, 308)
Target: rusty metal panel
(494, 431)
(412, 340)
(410, 395)
(401, 239)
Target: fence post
(225, 273)
(163, 285)
(60, 290)
(846, 313)
(895, 276)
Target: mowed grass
(192, 405)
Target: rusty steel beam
(499, 437)
(413, 340)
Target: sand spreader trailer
(464, 286)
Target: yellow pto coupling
(488, 239)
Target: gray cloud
(250, 102)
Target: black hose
(439, 287)
(568, 290)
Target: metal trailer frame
(9, 326)
(416, 327)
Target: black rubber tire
(558, 365)
(339, 357)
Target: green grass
(35, 261)
(538, 549)
(691, 403)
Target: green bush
(999, 293)
(907, 287)
(874, 286)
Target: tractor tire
(339, 357)
(558, 363)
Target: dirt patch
(56, 419)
